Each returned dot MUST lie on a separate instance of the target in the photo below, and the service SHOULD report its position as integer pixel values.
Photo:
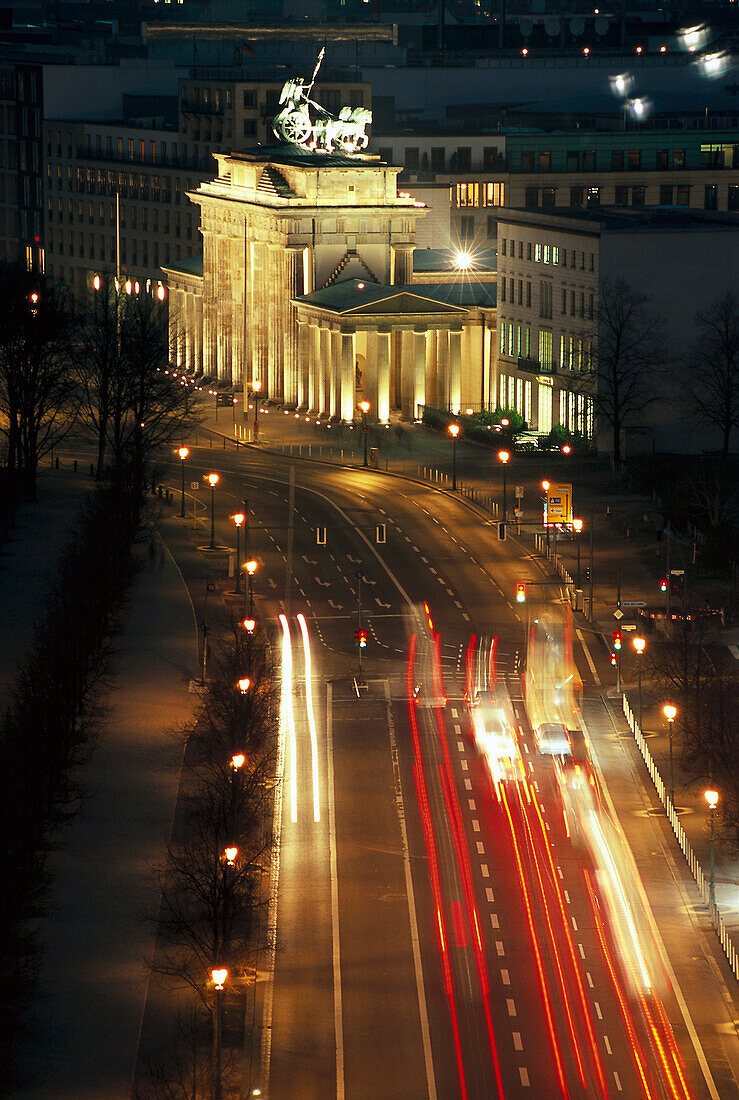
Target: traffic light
(614, 658)
(33, 301)
(663, 584)
(617, 640)
(520, 593)
(361, 636)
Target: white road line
(471, 803)
(588, 658)
(464, 765)
(480, 848)
(460, 746)
(581, 950)
(517, 1044)
(598, 1012)
(589, 977)
(489, 894)
(574, 924)
(475, 825)
(617, 1079)
(465, 616)
(484, 870)
(511, 1006)
(607, 1044)
(524, 1074)
(335, 934)
(505, 977)
(468, 784)
(412, 917)
(499, 947)
(567, 897)
(494, 920)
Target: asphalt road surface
(452, 918)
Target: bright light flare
(694, 38)
(463, 261)
(311, 717)
(622, 84)
(715, 64)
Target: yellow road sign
(559, 504)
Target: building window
(528, 295)
(665, 194)
(491, 158)
(547, 254)
(493, 194)
(572, 160)
(638, 196)
(733, 197)
(683, 194)
(555, 254)
(503, 246)
(528, 250)
(545, 161)
(468, 194)
(564, 302)
(410, 159)
(250, 127)
(527, 162)
(537, 253)
(545, 299)
(617, 160)
(386, 156)
(663, 156)
(548, 195)
(634, 160)
(678, 158)
(710, 197)
(576, 194)
(467, 230)
(545, 350)
(464, 159)
(621, 197)
(520, 292)
(593, 196)
(492, 226)
(531, 197)
(438, 159)
(588, 160)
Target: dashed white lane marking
(559, 872)
(524, 1074)
(432, 570)
(581, 950)
(574, 924)
(607, 1044)
(489, 894)
(517, 1044)
(484, 870)
(598, 1012)
(464, 765)
(494, 920)
(617, 1079)
(460, 746)
(441, 580)
(475, 825)
(511, 1006)
(457, 728)
(471, 803)
(567, 897)
(468, 784)
(588, 658)
(480, 848)
(449, 592)
(458, 604)
(455, 713)
(424, 560)
(589, 977)
(505, 977)
(465, 616)
(499, 947)
(406, 538)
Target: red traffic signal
(617, 639)
(361, 636)
(614, 658)
(521, 593)
(663, 584)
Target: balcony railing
(533, 366)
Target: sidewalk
(93, 984)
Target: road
(442, 928)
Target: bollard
(75, 465)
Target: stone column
(294, 280)
(370, 373)
(325, 384)
(314, 369)
(455, 370)
(407, 375)
(303, 360)
(442, 370)
(346, 396)
(432, 368)
(198, 330)
(334, 405)
(383, 377)
(419, 372)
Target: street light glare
(669, 710)
(213, 480)
(238, 518)
(578, 525)
(183, 452)
(237, 761)
(231, 855)
(364, 406)
(219, 977)
(244, 684)
(504, 456)
(453, 430)
(251, 567)
(639, 644)
(712, 799)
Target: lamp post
(639, 645)
(251, 568)
(238, 519)
(365, 407)
(578, 525)
(545, 509)
(453, 430)
(219, 976)
(712, 800)
(256, 387)
(504, 458)
(670, 710)
(183, 452)
(213, 480)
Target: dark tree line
(46, 730)
(210, 906)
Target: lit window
(537, 253)
(468, 194)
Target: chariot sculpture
(323, 133)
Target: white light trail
(287, 718)
(311, 718)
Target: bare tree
(97, 355)
(712, 371)
(629, 358)
(38, 397)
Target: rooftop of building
(354, 295)
(192, 265)
(305, 158)
(618, 219)
(444, 260)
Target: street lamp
(251, 568)
(670, 711)
(504, 457)
(238, 519)
(639, 645)
(256, 387)
(365, 407)
(213, 480)
(230, 855)
(453, 430)
(183, 452)
(237, 761)
(578, 525)
(243, 684)
(219, 976)
(712, 800)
